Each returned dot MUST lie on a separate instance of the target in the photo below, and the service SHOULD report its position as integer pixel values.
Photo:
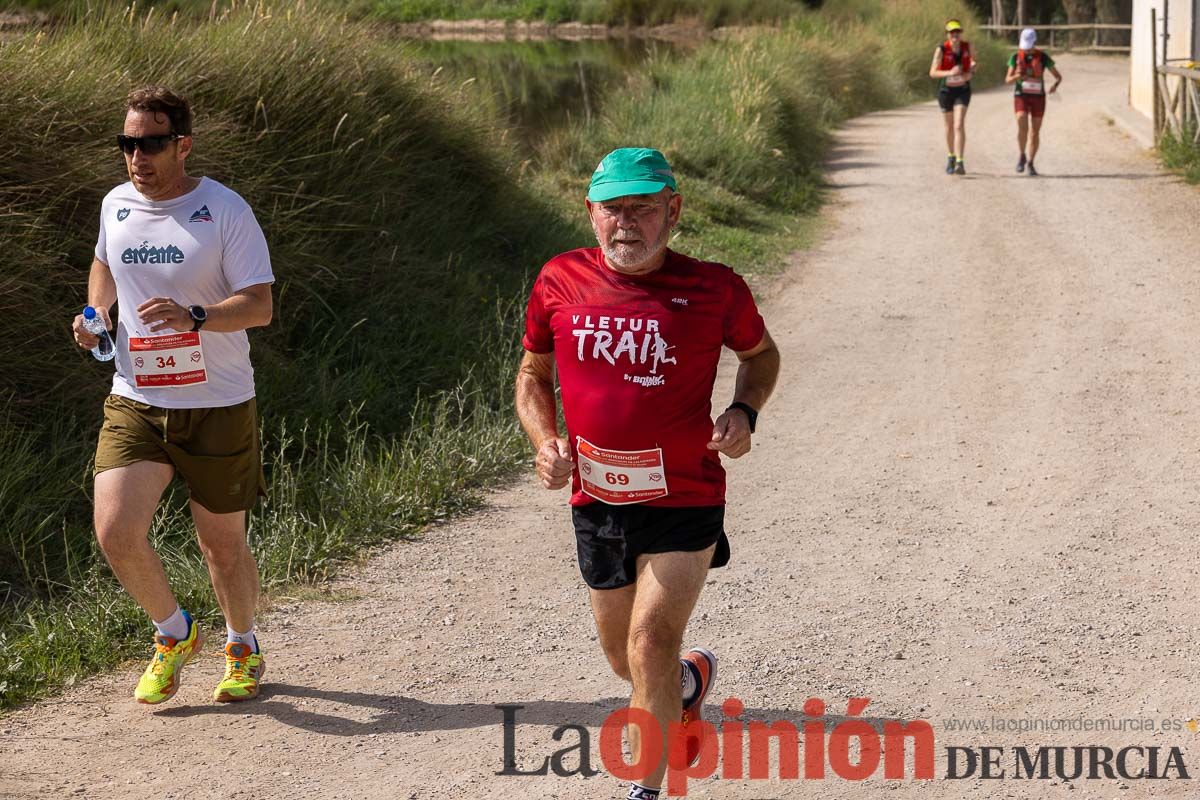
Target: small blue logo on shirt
(122, 214)
(202, 215)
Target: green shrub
(1182, 154)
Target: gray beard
(626, 258)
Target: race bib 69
(620, 477)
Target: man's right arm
(102, 289)
(101, 294)
(538, 414)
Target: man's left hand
(731, 434)
(163, 312)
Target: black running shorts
(609, 538)
(951, 96)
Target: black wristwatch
(200, 316)
(751, 414)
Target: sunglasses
(956, 30)
(149, 145)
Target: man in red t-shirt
(635, 331)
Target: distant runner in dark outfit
(635, 331)
(1026, 69)
(954, 65)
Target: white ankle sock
(247, 638)
(175, 626)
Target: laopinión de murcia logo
(854, 748)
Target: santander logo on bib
(635, 341)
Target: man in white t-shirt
(187, 265)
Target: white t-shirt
(198, 249)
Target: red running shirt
(637, 357)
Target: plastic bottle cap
(89, 313)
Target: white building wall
(1182, 44)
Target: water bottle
(92, 323)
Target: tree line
(1054, 12)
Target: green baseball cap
(630, 170)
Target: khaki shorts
(214, 450)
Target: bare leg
(667, 589)
(230, 564)
(126, 500)
(960, 131)
(948, 123)
(1022, 131)
(1035, 140)
(612, 609)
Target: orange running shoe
(705, 664)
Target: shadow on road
(1114, 176)
(895, 112)
(398, 714)
(838, 166)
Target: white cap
(1028, 38)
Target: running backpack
(1029, 62)
(950, 58)
(1030, 67)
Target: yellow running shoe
(160, 681)
(243, 671)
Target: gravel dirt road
(972, 498)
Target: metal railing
(1067, 44)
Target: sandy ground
(972, 497)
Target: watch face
(198, 313)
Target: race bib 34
(169, 361)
